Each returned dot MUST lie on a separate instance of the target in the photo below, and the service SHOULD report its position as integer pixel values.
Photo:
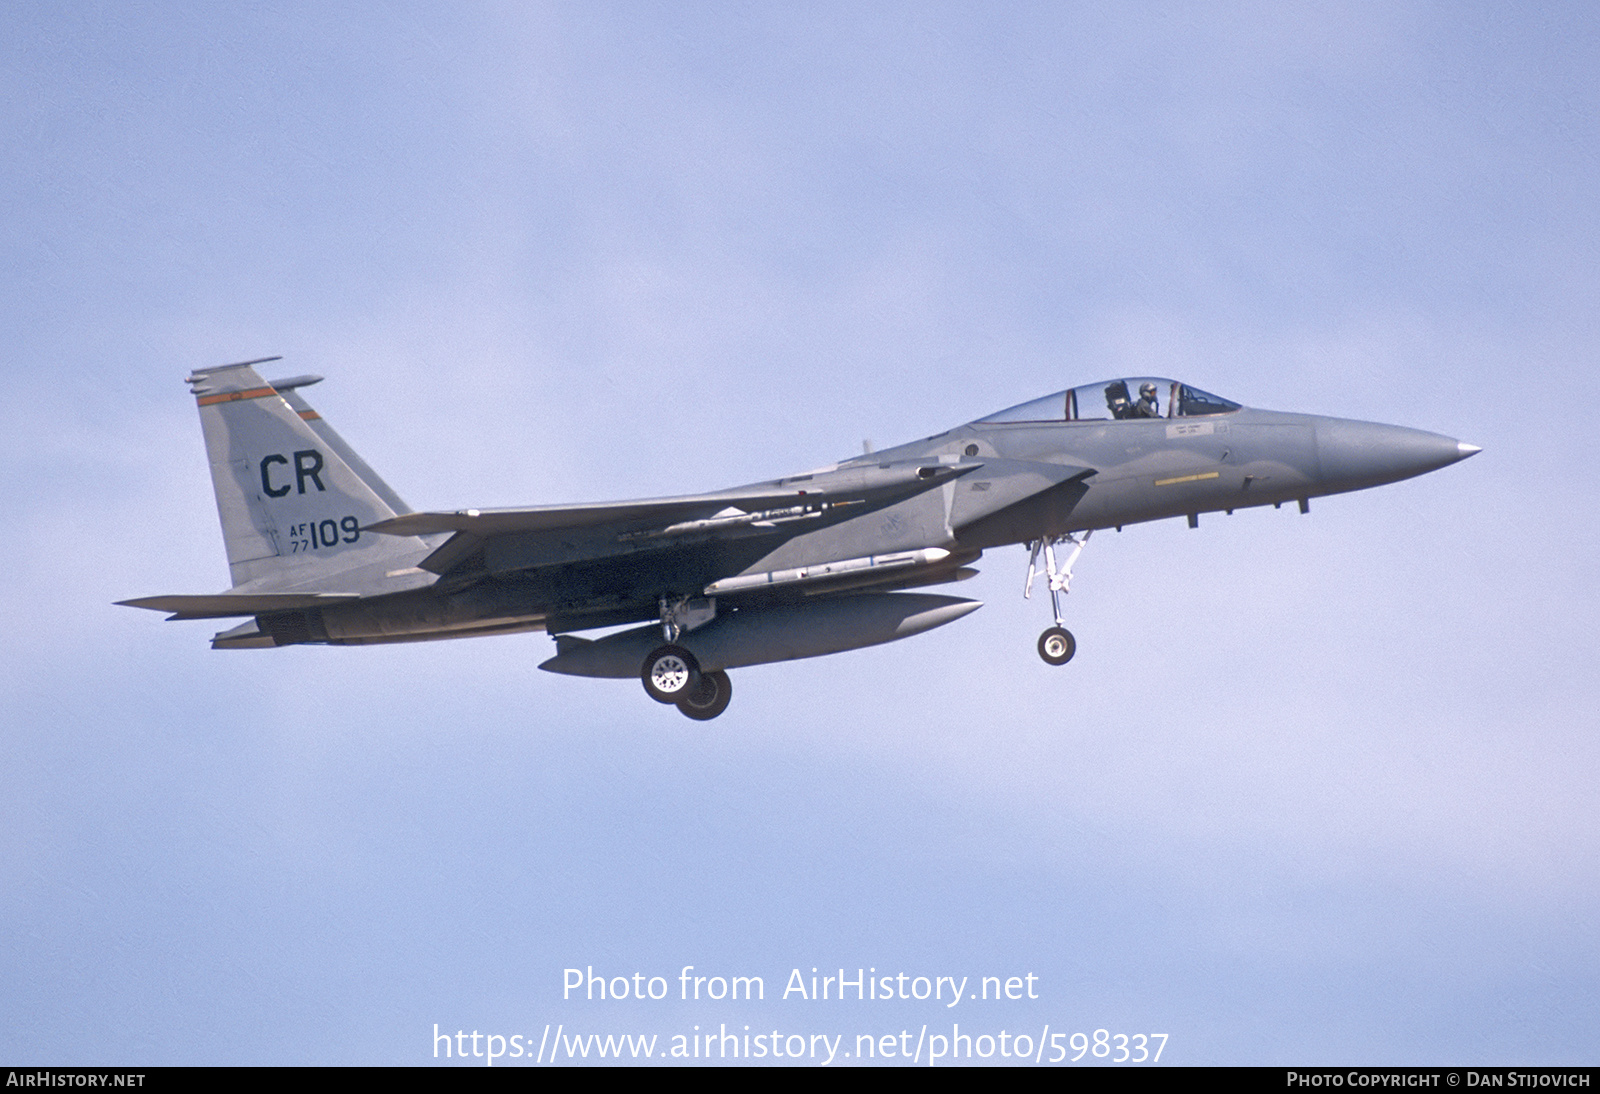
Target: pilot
(1146, 406)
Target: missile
(759, 636)
(928, 556)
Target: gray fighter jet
(323, 551)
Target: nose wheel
(1056, 645)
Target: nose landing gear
(1056, 644)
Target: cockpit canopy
(1126, 399)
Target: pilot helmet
(1148, 389)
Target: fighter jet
(321, 550)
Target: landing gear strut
(1056, 645)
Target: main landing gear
(1056, 644)
(709, 699)
(671, 674)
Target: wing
(545, 518)
(511, 539)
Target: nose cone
(1355, 455)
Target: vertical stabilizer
(289, 389)
(292, 507)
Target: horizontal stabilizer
(223, 605)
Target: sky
(1316, 789)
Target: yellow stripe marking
(310, 415)
(1189, 478)
(232, 396)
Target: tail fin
(319, 426)
(292, 506)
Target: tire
(1056, 646)
(670, 673)
(708, 700)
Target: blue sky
(1315, 789)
